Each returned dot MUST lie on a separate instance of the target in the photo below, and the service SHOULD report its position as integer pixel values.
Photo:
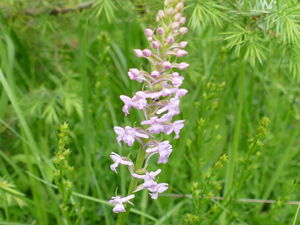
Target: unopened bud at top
(155, 45)
(160, 15)
(175, 25)
(147, 52)
(181, 53)
(179, 7)
(148, 32)
(155, 74)
(160, 31)
(177, 81)
(183, 30)
(175, 74)
(138, 53)
(177, 17)
(166, 65)
(182, 20)
(182, 44)
(183, 66)
(167, 2)
(170, 40)
(170, 11)
(135, 72)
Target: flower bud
(167, 2)
(160, 15)
(176, 81)
(147, 52)
(183, 30)
(181, 53)
(170, 11)
(148, 32)
(179, 7)
(183, 66)
(138, 53)
(155, 45)
(175, 74)
(166, 65)
(135, 72)
(175, 25)
(160, 31)
(182, 20)
(155, 74)
(177, 17)
(182, 44)
(170, 40)
(150, 39)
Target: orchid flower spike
(159, 101)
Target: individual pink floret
(155, 124)
(160, 188)
(176, 127)
(119, 160)
(128, 135)
(148, 178)
(118, 202)
(164, 149)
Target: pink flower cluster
(159, 101)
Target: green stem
(232, 155)
(296, 215)
(138, 165)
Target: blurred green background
(67, 61)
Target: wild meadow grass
(62, 72)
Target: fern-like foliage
(293, 53)
(207, 11)
(248, 41)
(286, 23)
(51, 105)
(106, 6)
